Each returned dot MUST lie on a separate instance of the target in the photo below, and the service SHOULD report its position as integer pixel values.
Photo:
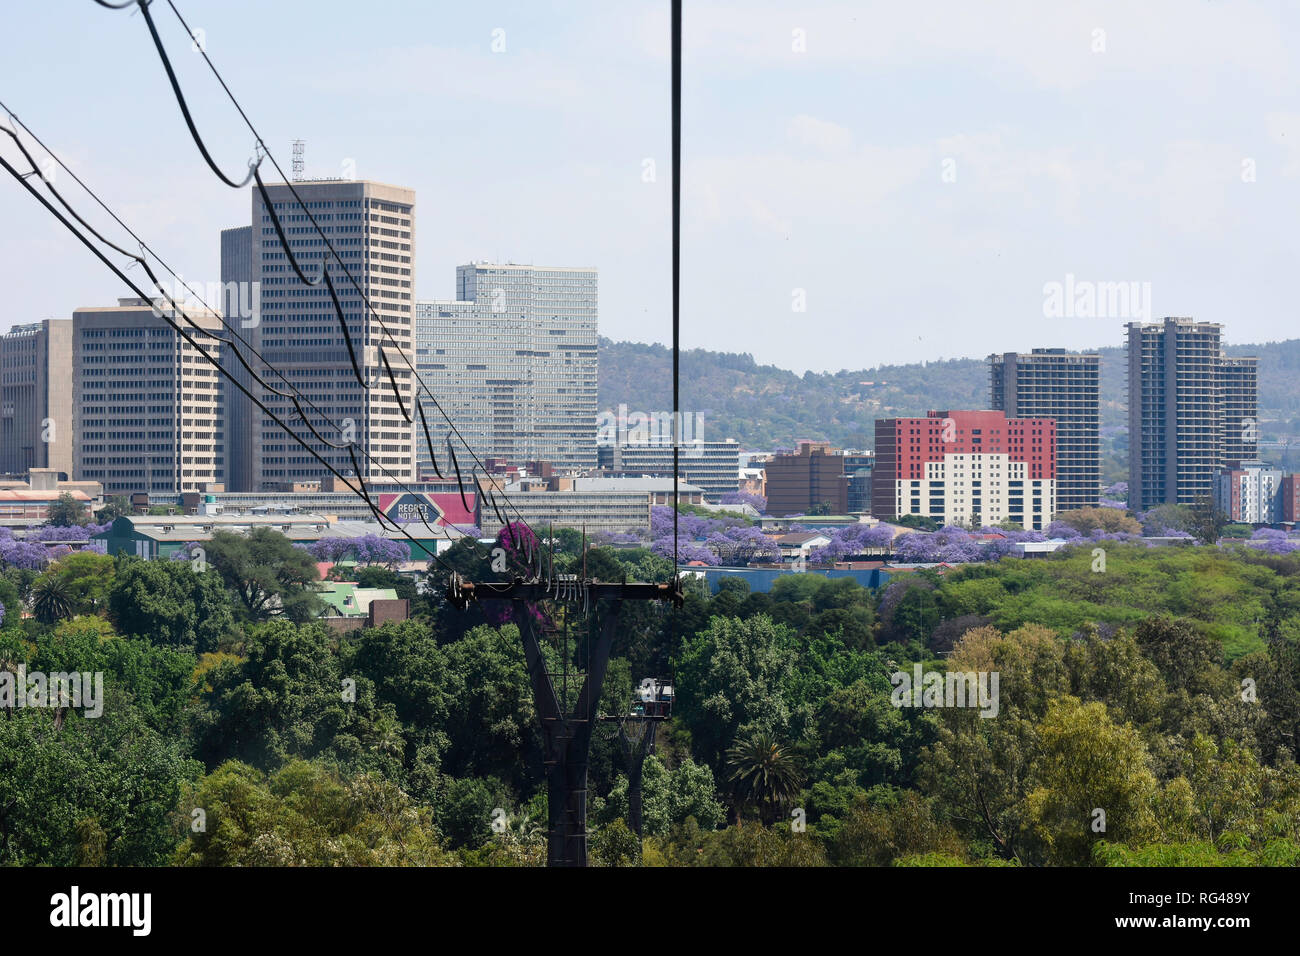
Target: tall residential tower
(1052, 383)
(1191, 410)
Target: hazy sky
(919, 170)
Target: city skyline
(1065, 162)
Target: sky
(863, 183)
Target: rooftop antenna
(299, 147)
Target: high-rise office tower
(35, 400)
(1189, 406)
(147, 406)
(512, 360)
(240, 307)
(1051, 383)
(372, 226)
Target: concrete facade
(372, 226)
(1051, 383)
(1191, 410)
(512, 360)
(35, 400)
(147, 405)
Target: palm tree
(763, 774)
(50, 600)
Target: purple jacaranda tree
(1059, 529)
(368, 549)
(26, 555)
(373, 549)
(690, 527)
(950, 545)
(521, 548)
(1273, 541)
(740, 545)
(331, 550)
(757, 502)
(855, 540)
(74, 532)
(687, 551)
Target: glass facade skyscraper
(512, 361)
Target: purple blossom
(74, 532)
(1059, 529)
(1273, 541)
(367, 549)
(687, 551)
(854, 540)
(23, 554)
(757, 502)
(740, 545)
(950, 545)
(186, 551)
(689, 526)
(518, 541)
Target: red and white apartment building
(966, 467)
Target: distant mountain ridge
(765, 407)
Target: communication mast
(299, 147)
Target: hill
(765, 407)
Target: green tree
(764, 774)
(1111, 520)
(51, 600)
(87, 578)
(67, 511)
(289, 698)
(1207, 520)
(375, 576)
(895, 826)
(114, 508)
(268, 575)
(917, 522)
(306, 815)
(669, 797)
(1091, 778)
(730, 676)
(616, 845)
(167, 602)
(76, 790)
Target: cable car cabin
(653, 699)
